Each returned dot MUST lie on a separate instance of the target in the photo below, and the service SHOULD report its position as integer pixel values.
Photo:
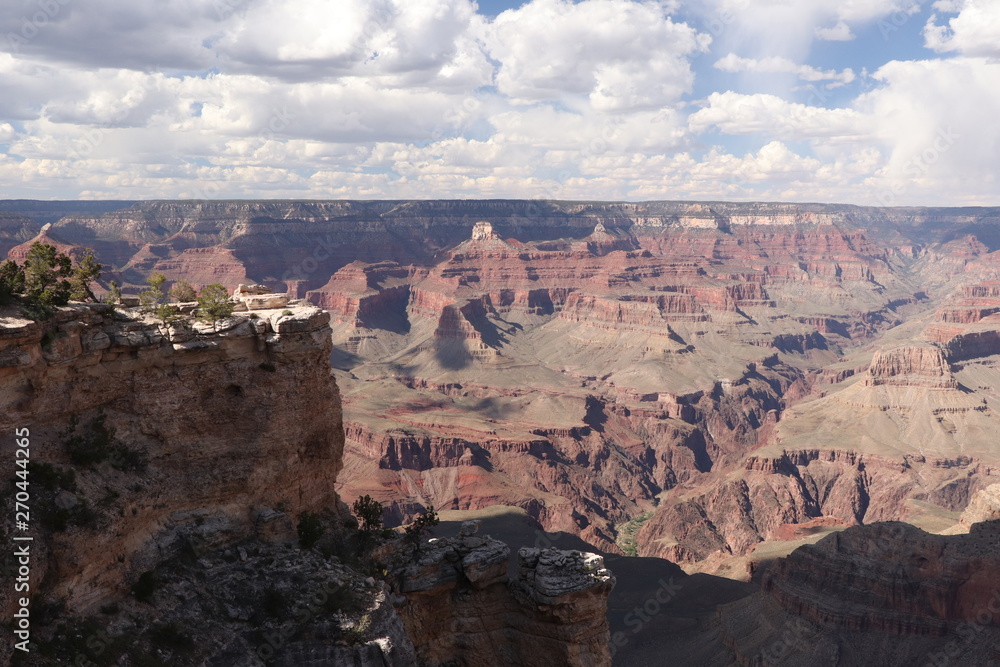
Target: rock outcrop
(911, 366)
(891, 578)
(983, 506)
(173, 460)
(462, 606)
(207, 416)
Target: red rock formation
(911, 366)
(204, 266)
(20, 252)
(891, 578)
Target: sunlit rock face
(233, 420)
(483, 231)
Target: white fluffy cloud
(936, 120)
(614, 54)
(734, 113)
(405, 42)
(779, 65)
(788, 28)
(429, 98)
(841, 32)
(974, 32)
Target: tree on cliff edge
(154, 300)
(47, 280)
(214, 304)
(86, 271)
(11, 281)
(369, 513)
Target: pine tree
(214, 304)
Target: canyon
(740, 389)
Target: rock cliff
(462, 606)
(207, 414)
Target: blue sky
(887, 102)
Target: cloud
(140, 34)
(614, 55)
(422, 98)
(739, 114)
(778, 65)
(936, 119)
(788, 28)
(841, 32)
(974, 32)
(404, 42)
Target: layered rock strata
(461, 604)
(210, 443)
(891, 578)
(983, 506)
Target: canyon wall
(210, 445)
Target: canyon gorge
(768, 405)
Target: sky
(871, 102)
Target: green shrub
(50, 478)
(91, 446)
(214, 304)
(369, 513)
(183, 291)
(97, 443)
(153, 299)
(310, 529)
(114, 293)
(126, 459)
(422, 524)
